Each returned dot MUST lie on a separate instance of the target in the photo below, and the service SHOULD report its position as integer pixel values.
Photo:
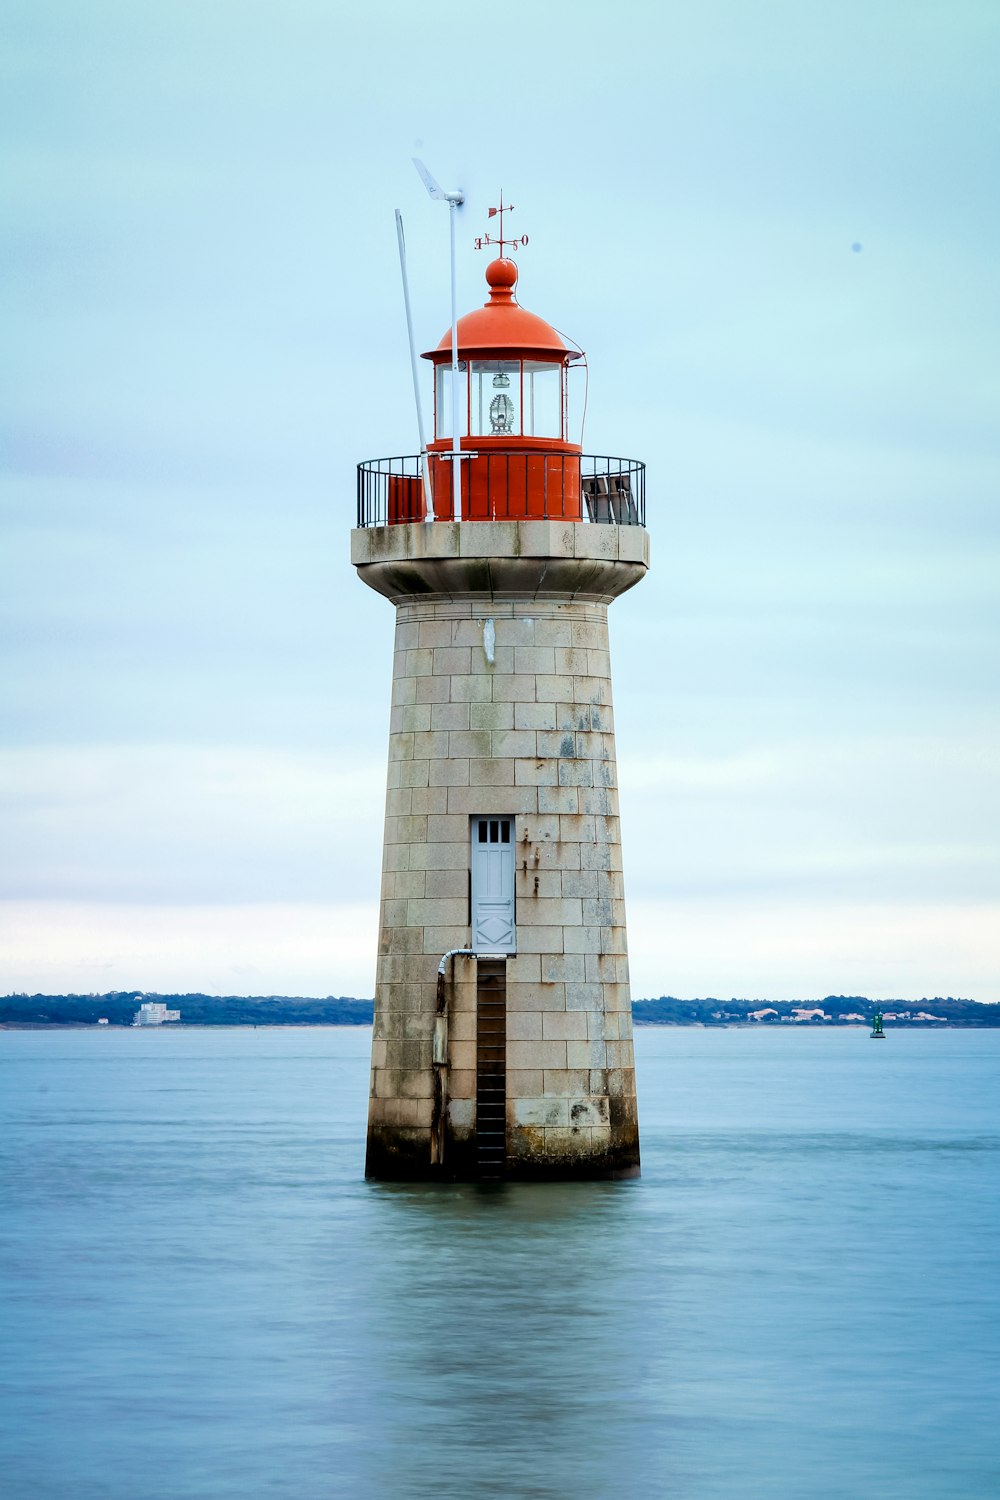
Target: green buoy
(877, 1034)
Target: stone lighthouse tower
(503, 1035)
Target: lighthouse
(502, 1041)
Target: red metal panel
(530, 486)
(405, 499)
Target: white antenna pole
(425, 466)
(456, 444)
(454, 200)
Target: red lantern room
(512, 404)
(501, 375)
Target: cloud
(260, 948)
(857, 817)
(189, 823)
(799, 948)
(792, 948)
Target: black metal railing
(504, 485)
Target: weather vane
(488, 239)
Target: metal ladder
(491, 1069)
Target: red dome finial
(501, 278)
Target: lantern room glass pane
(576, 402)
(495, 397)
(442, 401)
(542, 399)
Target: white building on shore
(154, 1013)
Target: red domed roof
(501, 327)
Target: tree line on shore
(118, 1008)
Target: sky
(772, 226)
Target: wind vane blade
(427, 180)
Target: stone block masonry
(517, 723)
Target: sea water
(202, 1297)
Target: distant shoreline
(118, 1008)
(642, 1025)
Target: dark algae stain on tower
(502, 862)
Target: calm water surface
(203, 1298)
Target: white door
(493, 885)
